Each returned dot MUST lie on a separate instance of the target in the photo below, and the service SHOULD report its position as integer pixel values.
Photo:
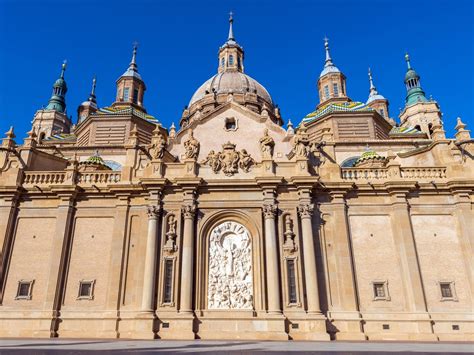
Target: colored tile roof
(127, 111)
(336, 107)
(404, 130)
(61, 137)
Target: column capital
(153, 211)
(305, 210)
(269, 210)
(188, 210)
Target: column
(271, 257)
(305, 211)
(150, 258)
(405, 243)
(8, 217)
(186, 296)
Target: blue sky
(283, 42)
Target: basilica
(237, 224)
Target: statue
(170, 244)
(246, 161)
(213, 160)
(301, 142)
(157, 148)
(191, 146)
(266, 145)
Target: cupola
(57, 102)
(375, 100)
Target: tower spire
(407, 59)
(133, 62)
(231, 30)
(328, 55)
(57, 102)
(415, 92)
(373, 89)
(92, 97)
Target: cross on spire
(328, 55)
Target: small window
(382, 112)
(86, 290)
(326, 92)
(380, 291)
(126, 94)
(135, 96)
(231, 60)
(222, 61)
(230, 124)
(25, 287)
(119, 94)
(336, 90)
(290, 265)
(168, 282)
(447, 291)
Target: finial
(10, 134)
(328, 55)
(94, 80)
(63, 68)
(407, 58)
(371, 80)
(172, 126)
(231, 31)
(134, 55)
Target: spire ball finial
(63, 68)
(407, 59)
(94, 81)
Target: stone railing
(109, 177)
(364, 173)
(423, 173)
(44, 178)
(412, 173)
(59, 178)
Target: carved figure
(301, 142)
(213, 160)
(246, 161)
(191, 146)
(230, 268)
(289, 243)
(157, 148)
(266, 145)
(170, 244)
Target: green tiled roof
(127, 111)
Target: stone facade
(347, 228)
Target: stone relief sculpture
(157, 147)
(289, 240)
(229, 160)
(191, 146)
(266, 145)
(170, 244)
(301, 142)
(230, 284)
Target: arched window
(382, 112)
(349, 162)
(326, 92)
(335, 90)
(231, 60)
(222, 61)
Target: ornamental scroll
(230, 268)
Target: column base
(345, 325)
(88, 324)
(176, 326)
(137, 325)
(241, 326)
(306, 326)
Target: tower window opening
(135, 96)
(430, 128)
(230, 124)
(382, 112)
(336, 90)
(290, 265)
(168, 284)
(126, 94)
(417, 127)
(222, 61)
(231, 60)
(326, 92)
(119, 94)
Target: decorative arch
(208, 225)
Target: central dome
(229, 82)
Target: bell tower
(419, 112)
(331, 82)
(231, 54)
(53, 119)
(130, 86)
